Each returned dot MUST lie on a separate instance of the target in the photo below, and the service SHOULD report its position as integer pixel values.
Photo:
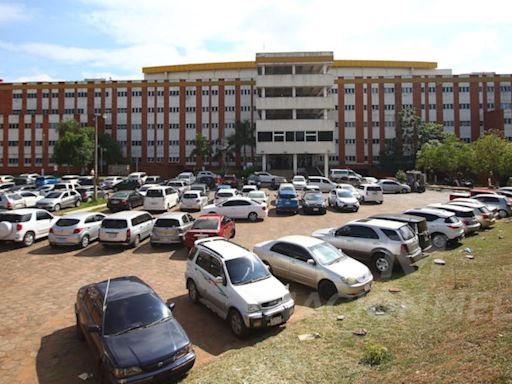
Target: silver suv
(378, 243)
(126, 228)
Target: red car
(209, 225)
(230, 180)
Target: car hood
(324, 232)
(349, 267)
(209, 206)
(261, 291)
(146, 345)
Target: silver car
(56, 200)
(317, 264)
(11, 201)
(126, 228)
(79, 228)
(500, 203)
(465, 215)
(393, 186)
(170, 228)
(484, 216)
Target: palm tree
(203, 149)
(240, 139)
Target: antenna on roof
(105, 306)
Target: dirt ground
(39, 284)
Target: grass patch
(99, 203)
(448, 324)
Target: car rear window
(465, 214)
(114, 223)
(287, 196)
(54, 195)
(391, 234)
(406, 232)
(374, 189)
(224, 194)
(190, 195)
(67, 222)
(167, 223)
(451, 220)
(13, 218)
(154, 193)
(211, 224)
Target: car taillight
(263, 208)
(453, 226)
(19, 227)
(51, 230)
(466, 222)
(485, 216)
(404, 248)
(77, 230)
(9, 205)
(128, 234)
(124, 202)
(197, 200)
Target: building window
(264, 136)
(325, 136)
(350, 107)
(299, 136)
(290, 136)
(350, 91)
(447, 106)
(279, 136)
(310, 135)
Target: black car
(313, 202)
(132, 332)
(127, 185)
(122, 200)
(418, 224)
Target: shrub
(401, 176)
(375, 354)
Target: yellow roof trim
(200, 67)
(295, 59)
(385, 64)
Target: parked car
(126, 228)
(11, 200)
(200, 187)
(393, 186)
(193, 200)
(321, 182)
(86, 181)
(210, 225)
(237, 286)
(485, 217)
(48, 179)
(140, 177)
(78, 228)
(342, 175)
(25, 225)
(500, 203)
(352, 189)
(160, 198)
(444, 226)
(317, 264)
(6, 179)
(287, 199)
(45, 189)
(380, 244)
(55, 200)
(209, 178)
(224, 194)
(179, 185)
(131, 332)
(65, 187)
(24, 187)
(153, 180)
(187, 177)
(24, 180)
(313, 202)
(144, 188)
(238, 208)
(170, 228)
(6, 187)
(371, 193)
(70, 179)
(299, 182)
(259, 196)
(466, 215)
(493, 209)
(248, 188)
(417, 223)
(230, 179)
(110, 182)
(123, 200)
(261, 178)
(30, 198)
(86, 192)
(343, 200)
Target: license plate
(154, 203)
(112, 235)
(276, 320)
(315, 209)
(367, 287)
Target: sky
(68, 40)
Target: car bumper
(413, 258)
(169, 239)
(114, 242)
(356, 290)
(468, 229)
(190, 206)
(64, 240)
(163, 375)
(319, 210)
(287, 208)
(271, 317)
(456, 236)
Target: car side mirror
(171, 306)
(311, 262)
(93, 328)
(219, 280)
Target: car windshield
(114, 223)
(54, 195)
(225, 194)
(167, 223)
(326, 254)
(245, 270)
(313, 197)
(406, 232)
(184, 176)
(134, 312)
(13, 218)
(67, 222)
(175, 184)
(344, 193)
(120, 195)
(210, 224)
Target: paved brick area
(39, 284)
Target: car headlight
(348, 280)
(253, 308)
(183, 351)
(287, 297)
(125, 372)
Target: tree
(430, 132)
(203, 149)
(409, 124)
(242, 138)
(391, 158)
(75, 146)
(110, 149)
(490, 151)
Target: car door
(205, 269)
(300, 269)
(43, 223)
(29, 199)
(65, 199)
(326, 185)
(226, 227)
(147, 225)
(17, 201)
(363, 240)
(93, 317)
(280, 258)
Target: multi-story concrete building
(307, 109)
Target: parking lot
(39, 284)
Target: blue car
(287, 201)
(45, 180)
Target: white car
(30, 199)
(224, 194)
(299, 182)
(179, 185)
(144, 189)
(238, 208)
(160, 198)
(317, 264)
(25, 225)
(187, 177)
(352, 189)
(343, 200)
(193, 200)
(140, 176)
(11, 200)
(236, 285)
(248, 188)
(259, 196)
(371, 193)
(70, 179)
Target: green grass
(449, 324)
(99, 203)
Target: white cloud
(36, 76)
(13, 12)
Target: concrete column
(294, 163)
(263, 162)
(293, 69)
(326, 165)
(294, 114)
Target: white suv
(25, 225)
(235, 284)
(160, 198)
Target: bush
(401, 176)
(375, 354)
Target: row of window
(292, 136)
(431, 89)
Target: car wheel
(193, 294)
(403, 190)
(439, 241)
(28, 239)
(78, 330)
(56, 208)
(379, 202)
(85, 241)
(383, 264)
(356, 209)
(236, 322)
(326, 289)
(253, 216)
(136, 242)
(502, 213)
(77, 203)
(89, 199)
(233, 234)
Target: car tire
(29, 239)
(403, 190)
(105, 245)
(502, 213)
(233, 234)
(56, 208)
(52, 245)
(383, 264)
(136, 242)
(439, 241)
(326, 289)
(193, 293)
(379, 202)
(78, 331)
(77, 203)
(236, 323)
(253, 216)
(84, 242)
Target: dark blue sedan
(132, 333)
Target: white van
(343, 174)
(160, 198)
(140, 176)
(371, 192)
